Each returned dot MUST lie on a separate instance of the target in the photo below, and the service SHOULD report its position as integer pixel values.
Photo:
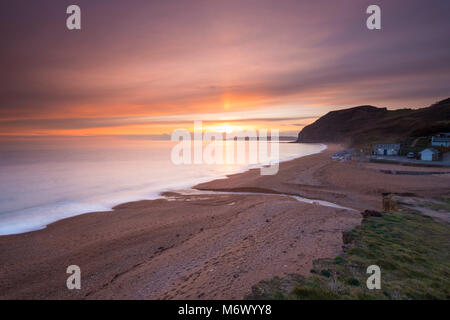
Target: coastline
(203, 246)
(31, 219)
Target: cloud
(136, 61)
(87, 123)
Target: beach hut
(429, 154)
(387, 149)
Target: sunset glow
(258, 64)
(228, 155)
(225, 128)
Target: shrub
(326, 273)
(353, 282)
(339, 260)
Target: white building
(429, 154)
(387, 149)
(441, 140)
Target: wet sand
(205, 246)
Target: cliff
(368, 124)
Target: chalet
(441, 140)
(387, 149)
(429, 154)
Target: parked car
(411, 155)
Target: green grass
(412, 250)
(443, 205)
(440, 206)
(305, 293)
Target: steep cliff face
(368, 124)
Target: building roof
(388, 146)
(444, 134)
(440, 139)
(432, 150)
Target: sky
(142, 67)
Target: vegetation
(412, 250)
(415, 144)
(440, 204)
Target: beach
(206, 245)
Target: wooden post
(389, 203)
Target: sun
(227, 128)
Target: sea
(43, 181)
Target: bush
(339, 260)
(326, 273)
(353, 282)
